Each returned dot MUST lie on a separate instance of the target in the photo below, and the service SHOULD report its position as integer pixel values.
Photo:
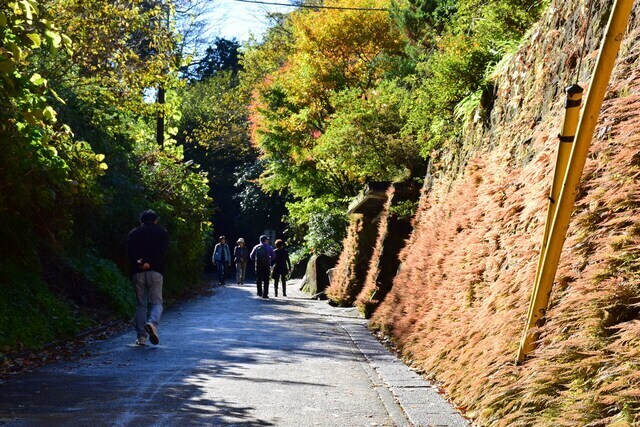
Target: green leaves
(35, 38)
(463, 40)
(49, 114)
(54, 40)
(37, 80)
(77, 136)
(15, 50)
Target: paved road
(233, 359)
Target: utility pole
(160, 117)
(160, 97)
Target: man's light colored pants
(148, 286)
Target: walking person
(221, 258)
(147, 247)
(240, 257)
(281, 267)
(263, 256)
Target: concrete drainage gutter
(420, 401)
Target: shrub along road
(233, 359)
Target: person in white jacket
(221, 259)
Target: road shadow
(204, 341)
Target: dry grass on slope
(366, 299)
(350, 271)
(458, 306)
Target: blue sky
(229, 18)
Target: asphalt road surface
(230, 359)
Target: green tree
(43, 168)
(421, 22)
(222, 55)
(215, 130)
(80, 162)
(459, 43)
(324, 119)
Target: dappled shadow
(205, 343)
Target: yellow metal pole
(604, 65)
(566, 137)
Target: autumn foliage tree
(327, 114)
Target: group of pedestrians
(268, 262)
(147, 247)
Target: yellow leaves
(119, 40)
(26, 8)
(66, 40)
(36, 40)
(339, 48)
(38, 80)
(54, 38)
(16, 51)
(15, 8)
(49, 114)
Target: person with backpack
(281, 267)
(263, 256)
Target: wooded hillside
(458, 304)
(104, 113)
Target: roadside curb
(418, 398)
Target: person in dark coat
(147, 248)
(241, 258)
(281, 267)
(263, 256)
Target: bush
(24, 297)
(113, 288)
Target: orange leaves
(336, 48)
(312, 100)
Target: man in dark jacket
(148, 245)
(263, 255)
